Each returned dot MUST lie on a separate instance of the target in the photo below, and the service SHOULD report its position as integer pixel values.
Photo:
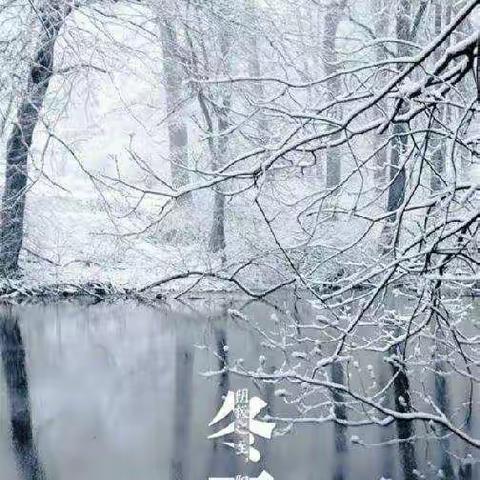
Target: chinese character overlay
(245, 426)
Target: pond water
(118, 392)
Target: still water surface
(116, 392)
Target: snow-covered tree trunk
(333, 176)
(217, 241)
(380, 12)
(438, 145)
(396, 195)
(255, 71)
(397, 177)
(176, 123)
(217, 233)
(51, 19)
(330, 62)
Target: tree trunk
(52, 18)
(330, 59)
(177, 126)
(217, 233)
(438, 146)
(255, 71)
(380, 12)
(217, 241)
(396, 191)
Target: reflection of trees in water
(15, 372)
(367, 403)
(182, 408)
(222, 459)
(402, 399)
(387, 454)
(442, 401)
(340, 470)
(268, 394)
(340, 430)
(266, 389)
(405, 428)
(465, 471)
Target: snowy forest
(301, 175)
